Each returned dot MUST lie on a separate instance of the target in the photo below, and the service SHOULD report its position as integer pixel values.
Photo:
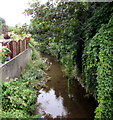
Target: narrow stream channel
(60, 101)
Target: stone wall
(14, 67)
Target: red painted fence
(17, 47)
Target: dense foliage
(101, 15)
(19, 95)
(98, 69)
(2, 22)
(80, 35)
(104, 71)
(4, 54)
(57, 31)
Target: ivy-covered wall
(98, 69)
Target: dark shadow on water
(60, 101)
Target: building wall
(15, 66)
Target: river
(58, 100)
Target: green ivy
(104, 72)
(80, 37)
(98, 69)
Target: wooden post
(23, 44)
(27, 40)
(12, 47)
(17, 48)
(20, 46)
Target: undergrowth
(19, 94)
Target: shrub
(19, 95)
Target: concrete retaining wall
(14, 67)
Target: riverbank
(19, 95)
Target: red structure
(16, 47)
(20, 46)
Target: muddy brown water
(58, 100)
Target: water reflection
(58, 100)
(51, 104)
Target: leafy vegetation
(4, 54)
(97, 60)
(19, 95)
(80, 36)
(2, 22)
(104, 71)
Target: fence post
(24, 44)
(17, 47)
(12, 47)
(20, 46)
(27, 40)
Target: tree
(2, 22)
(74, 33)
